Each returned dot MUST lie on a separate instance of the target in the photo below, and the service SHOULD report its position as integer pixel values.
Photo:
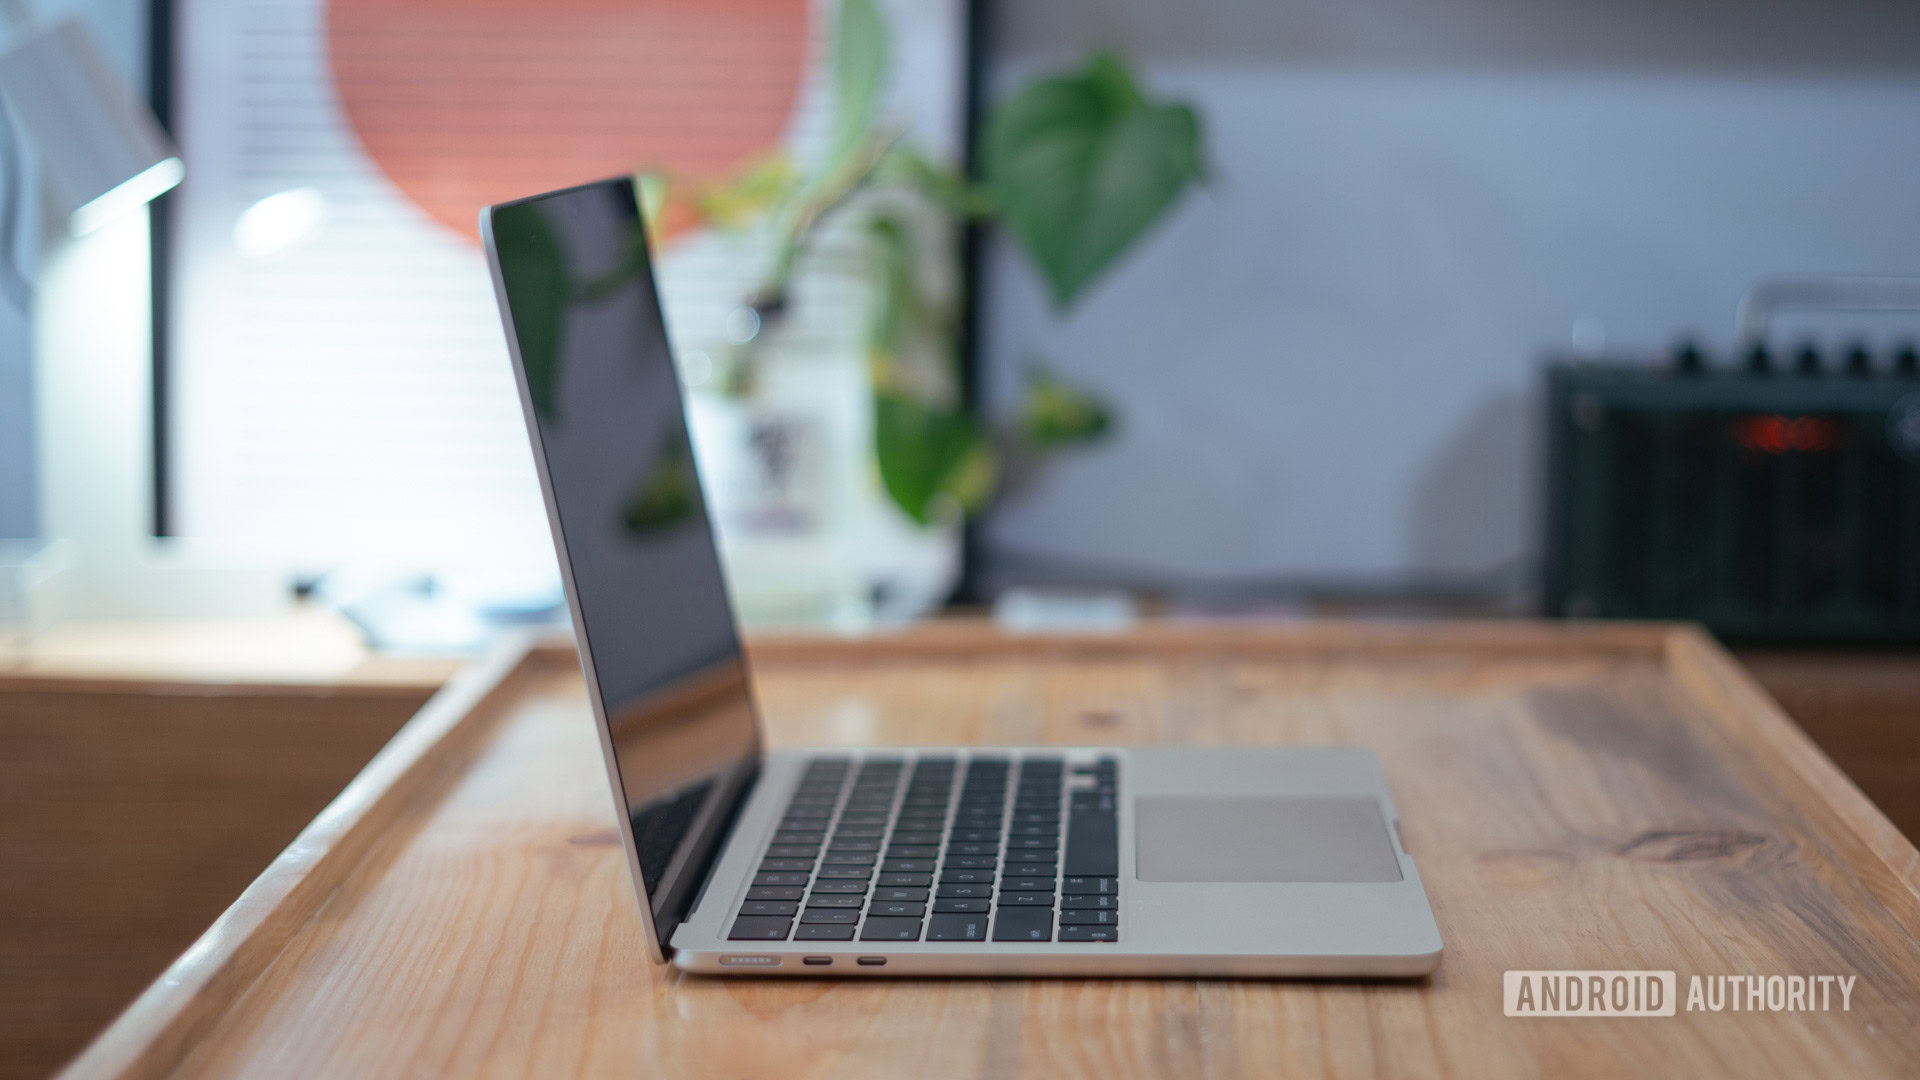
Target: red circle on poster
(462, 103)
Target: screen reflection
(650, 604)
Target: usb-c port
(872, 961)
(816, 961)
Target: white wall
(121, 26)
(1325, 362)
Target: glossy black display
(659, 646)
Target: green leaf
(538, 292)
(927, 453)
(859, 69)
(1081, 165)
(897, 304)
(666, 494)
(1055, 414)
(750, 195)
(656, 191)
(941, 186)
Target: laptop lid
(658, 645)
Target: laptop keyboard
(942, 848)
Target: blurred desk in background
(315, 648)
(148, 772)
(1597, 796)
(1863, 708)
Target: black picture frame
(161, 39)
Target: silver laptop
(1054, 860)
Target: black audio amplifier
(1769, 497)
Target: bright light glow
(696, 368)
(152, 182)
(279, 221)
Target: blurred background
(1063, 313)
(1301, 364)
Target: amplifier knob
(1807, 360)
(1689, 358)
(1859, 360)
(1906, 361)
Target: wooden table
(1577, 797)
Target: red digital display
(1775, 434)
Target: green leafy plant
(1076, 166)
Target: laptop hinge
(747, 785)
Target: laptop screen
(636, 548)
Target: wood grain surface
(1619, 797)
(131, 815)
(1862, 707)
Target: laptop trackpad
(1332, 838)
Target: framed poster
(334, 387)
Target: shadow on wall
(1474, 500)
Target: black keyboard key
(1089, 918)
(770, 907)
(1033, 843)
(1089, 933)
(851, 858)
(792, 851)
(1023, 924)
(957, 927)
(854, 843)
(947, 904)
(973, 849)
(1093, 844)
(913, 851)
(975, 836)
(971, 862)
(904, 910)
(916, 881)
(1090, 903)
(1046, 856)
(1028, 884)
(1026, 869)
(1051, 828)
(760, 928)
(899, 895)
(917, 838)
(1105, 886)
(780, 879)
(967, 877)
(907, 866)
(824, 932)
(810, 838)
(1026, 899)
(841, 916)
(774, 866)
(966, 892)
(839, 886)
(891, 929)
(774, 892)
(852, 832)
(845, 873)
(836, 900)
